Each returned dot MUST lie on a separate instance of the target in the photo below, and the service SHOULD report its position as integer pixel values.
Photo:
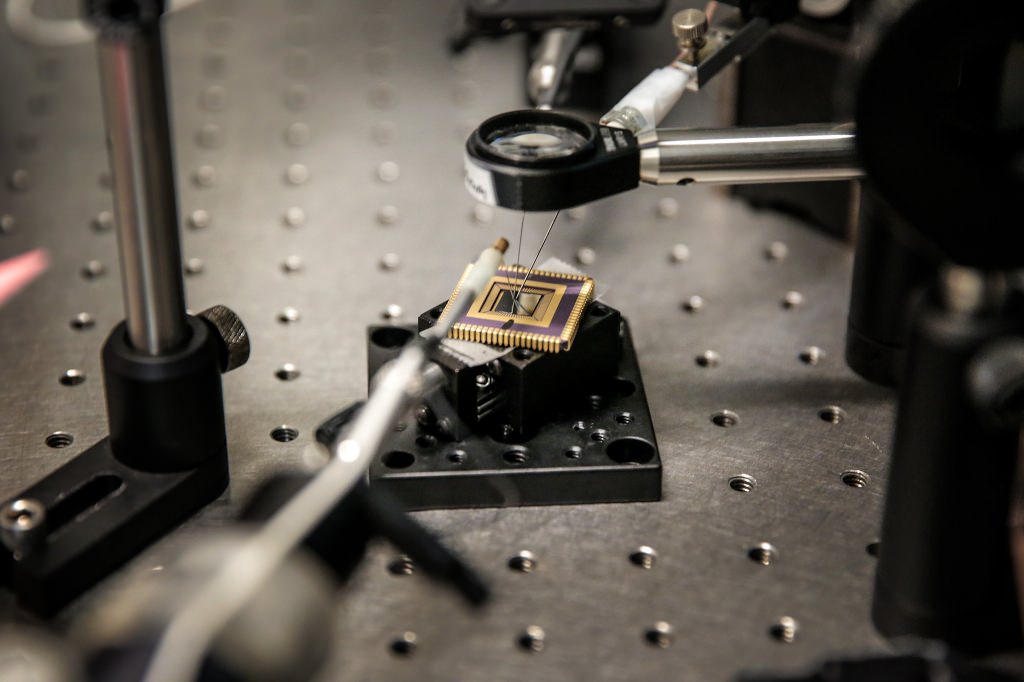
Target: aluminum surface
(312, 146)
(799, 153)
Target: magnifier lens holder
(542, 161)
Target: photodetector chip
(545, 318)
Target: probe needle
(528, 272)
(519, 254)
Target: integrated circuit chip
(545, 319)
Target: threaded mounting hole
(693, 304)
(93, 269)
(855, 478)
(59, 439)
(776, 251)
(742, 483)
(763, 554)
(811, 355)
(792, 299)
(72, 377)
(402, 565)
(82, 321)
(405, 645)
(643, 556)
(833, 414)
(531, 639)
(515, 456)
(708, 358)
(725, 418)
(660, 635)
(785, 630)
(523, 562)
(288, 316)
(284, 433)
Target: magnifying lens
(535, 143)
(536, 160)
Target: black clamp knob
(234, 339)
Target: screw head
(23, 514)
(21, 523)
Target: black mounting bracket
(100, 513)
(165, 459)
(594, 441)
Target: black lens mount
(536, 160)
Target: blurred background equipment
(829, 337)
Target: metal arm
(798, 153)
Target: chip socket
(547, 317)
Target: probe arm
(739, 156)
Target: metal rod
(557, 49)
(181, 648)
(145, 202)
(799, 153)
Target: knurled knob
(233, 337)
(690, 26)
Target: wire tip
(501, 245)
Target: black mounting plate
(599, 449)
(101, 512)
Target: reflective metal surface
(363, 96)
(800, 153)
(145, 202)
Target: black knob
(234, 339)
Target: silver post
(554, 57)
(798, 153)
(145, 202)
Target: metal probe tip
(501, 245)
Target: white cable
(185, 641)
(28, 26)
(650, 100)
